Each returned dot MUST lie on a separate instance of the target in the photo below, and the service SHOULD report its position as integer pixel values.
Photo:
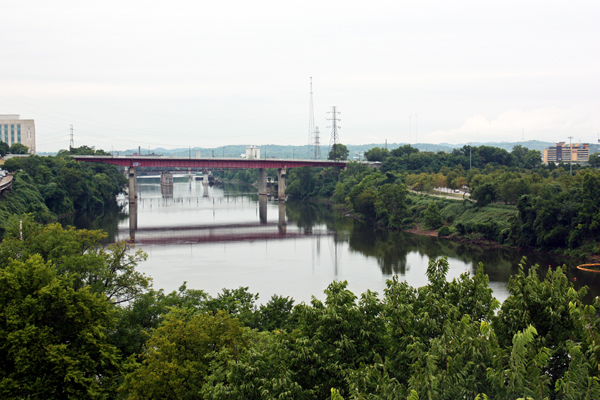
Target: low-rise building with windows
(576, 152)
(13, 129)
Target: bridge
(133, 162)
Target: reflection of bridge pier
(262, 208)
(133, 220)
(282, 224)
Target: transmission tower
(335, 140)
(317, 144)
(71, 144)
(311, 121)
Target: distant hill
(356, 151)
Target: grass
(465, 217)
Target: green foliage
(338, 152)
(377, 154)
(444, 231)
(3, 148)
(53, 186)
(77, 254)
(432, 216)
(53, 337)
(18, 148)
(181, 353)
(545, 306)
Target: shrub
(444, 231)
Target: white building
(252, 152)
(13, 129)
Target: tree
(53, 338)
(432, 216)
(78, 255)
(181, 354)
(3, 148)
(594, 160)
(391, 204)
(18, 148)
(338, 152)
(544, 305)
(377, 154)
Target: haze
(187, 73)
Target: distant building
(576, 152)
(252, 152)
(13, 129)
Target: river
(215, 238)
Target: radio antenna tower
(71, 144)
(335, 140)
(311, 121)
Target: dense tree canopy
(55, 186)
(18, 148)
(338, 152)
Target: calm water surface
(215, 238)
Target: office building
(13, 129)
(576, 152)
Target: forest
(77, 320)
(54, 186)
(513, 198)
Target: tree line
(77, 320)
(513, 198)
(52, 186)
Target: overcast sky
(198, 73)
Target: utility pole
(334, 131)
(71, 143)
(409, 129)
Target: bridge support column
(281, 184)
(166, 178)
(132, 186)
(262, 208)
(262, 181)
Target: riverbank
(478, 216)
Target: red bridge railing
(213, 162)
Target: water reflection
(229, 237)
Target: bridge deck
(213, 162)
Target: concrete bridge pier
(281, 184)
(262, 181)
(262, 208)
(132, 185)
(166, 178)
(205, 179)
